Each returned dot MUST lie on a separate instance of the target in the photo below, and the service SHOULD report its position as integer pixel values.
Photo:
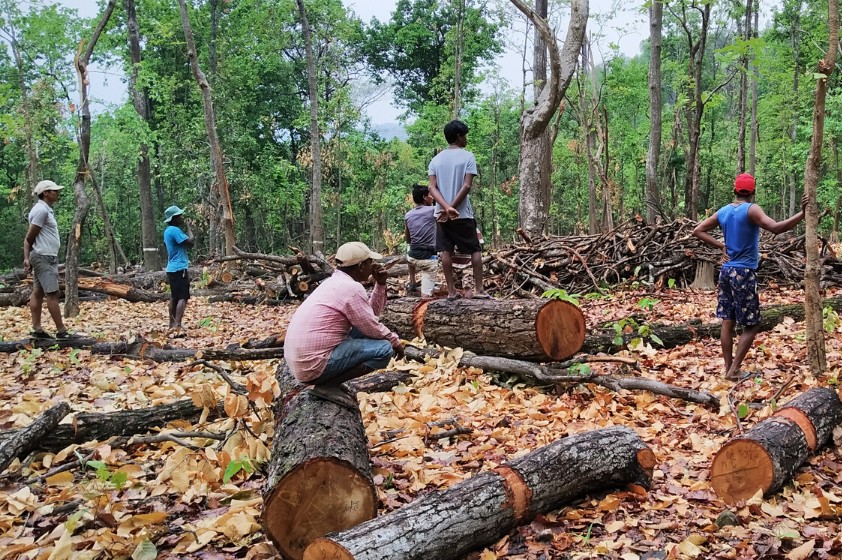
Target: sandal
(40, 335)
(65, 335)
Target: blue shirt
(742, 237)
(176, 250)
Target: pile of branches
(636, 251)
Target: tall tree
(532, 210)
(743, 94)
(656, 22)
(140, 98)
(317, 231)
(83, 169)
(812, 271)
(220, 183)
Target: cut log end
(740, 469)
(647, 460)
(317, 498)
(560, 329)
(802, 421)
(326, 548)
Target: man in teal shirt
(177, 242)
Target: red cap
(744, 184)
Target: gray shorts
(45, 272)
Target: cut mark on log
(323, 549)
(740, 469)
(317, 497)
(802, 421)
(418, 317)
(647, 460)
(518, 493)
(560, 327)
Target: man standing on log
(177, 243)
(40, 254)
(738, 302)
(451, 175)
(336, 335)
(420, 234)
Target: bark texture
(449, 524)
(319, 477)
(656, 20)
(768, 455)
(26, 440)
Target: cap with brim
(171, 212)
(355, 252)
(45, 186)
(744, 184)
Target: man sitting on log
(738, 302)
(420, 234)
(336, 335)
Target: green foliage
(236, 466)
(558, 293)
(643, 330)
(647, 303)
(116, 479)
(742, 410)
(580, 369)
(830, 319)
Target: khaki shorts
(424, 265)
(44, 271)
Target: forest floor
(140, 500)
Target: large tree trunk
(755, 80)
(220, 187)
(653, 197)
(813, 268)
(80, 62)
(532, 213)
(742, 117)
(115, 250)
(149, 237)
(317, 232)
(539, 329)
(447, 525)
(28, 439)
(319, 477)
(31, 153)
(767, 456)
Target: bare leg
(172, 308)
(411, 274)
(36, 298)
(746, 340)
(447, 268)
(55, 311)
(726, 339)
(476, 263)
(180, 307)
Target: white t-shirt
(450, 167)
(47, 242)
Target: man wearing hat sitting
(335, 335)
(177, 243)
(738, 302)
(40, 254)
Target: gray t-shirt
(422, 225)
(450, 167)
(48, 241)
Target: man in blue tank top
(738, 303)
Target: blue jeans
(354, 351)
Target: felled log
(90, 426)
(27, 439)
(540, 329)
(449, 524)
(319, 477)
(682, 333)
(766, 457)
(124, 291)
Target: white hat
(45, 186)
(354, 252)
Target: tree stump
(535, 330)
(319, 477)
(704, 279)
(766, 457)
(449, 524)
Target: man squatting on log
(335, 335)
(738, 301)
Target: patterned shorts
(738, 299)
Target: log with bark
(539, 330)
(479, 511)
(767, 456)
(319, 477)
(28, 439)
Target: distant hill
(390, 130)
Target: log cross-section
(766, 457)
(319, 476)
(536, 330)
(448, 524)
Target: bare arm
(28, 242)
(406, 235)
(448, 211)
(467, 184)
(702, 228)
(759, 218)
(191, 239)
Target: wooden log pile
(637, 251)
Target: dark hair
(453, 130)
(419, 193)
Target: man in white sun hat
(335, 335)
(177, 242)
(40, 254)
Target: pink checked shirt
(324, 319)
